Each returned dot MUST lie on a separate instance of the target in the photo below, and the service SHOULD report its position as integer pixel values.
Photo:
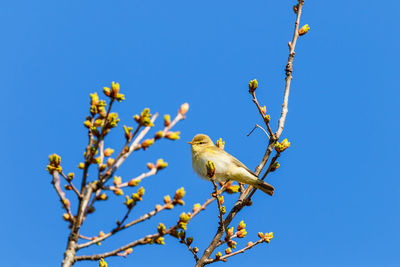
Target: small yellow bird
(227, 167)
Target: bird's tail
(263, 186)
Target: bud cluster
(210, 169)
(253, 84)
(220, 143)
(113, 93)
(54, 164)
(266, 237)
(282, 146)
(144, 118)
(179, 194)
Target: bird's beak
(190, 143)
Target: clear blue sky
(338, 189)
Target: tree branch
(144, 240)
(240, 203)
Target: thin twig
(72, 185)
(220, 214)
(266, 121)
(64, 201)
(151, 172)
(258, 126)
(223, 258)
(117, 229)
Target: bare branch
(64, 201)
(258, 126)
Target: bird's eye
(200, 143)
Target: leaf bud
(172, 135)
(118, 192)
(253, 84)
(167, 120)
(210, 169)
(220, 143)
(183, 109)
(158, 135)
(303, 30)
(134, 182)
(161, 164)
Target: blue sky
(337, 191)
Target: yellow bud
(303, 30)
(267, 118)
(229, 232)
(128, 251)
(101, 234)
(253, 84)
(241, 225)
(172, 135)
(81, 165)
(264, 110)
(158, 135)
(67, 203)
(108, 152)
(161, 164)
(102, 263)
(147, 143)
(220, 143)
(169, 206)
(117, 180)
(221, 200)
(66, 217)
(134, 182)
(218, 255)
(161, 228)
(103, 196)
(231, 243)
(228, 251)
(167, 199)
(115, 88)
(71, 176)
(180, 193)
(223, 210)
(110, 162)
(107, 91)
(184, 217)
(141, 191)
(87, 124)
(160, 240)
(275, 166)
(242, 233)
(249, 244)
(210, 169)
(120, 97)
(196, 207)
(280, 147)
(167, 120)
(118, 192)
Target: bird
(227, 167)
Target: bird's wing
(234, 160)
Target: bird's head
(201, 141)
